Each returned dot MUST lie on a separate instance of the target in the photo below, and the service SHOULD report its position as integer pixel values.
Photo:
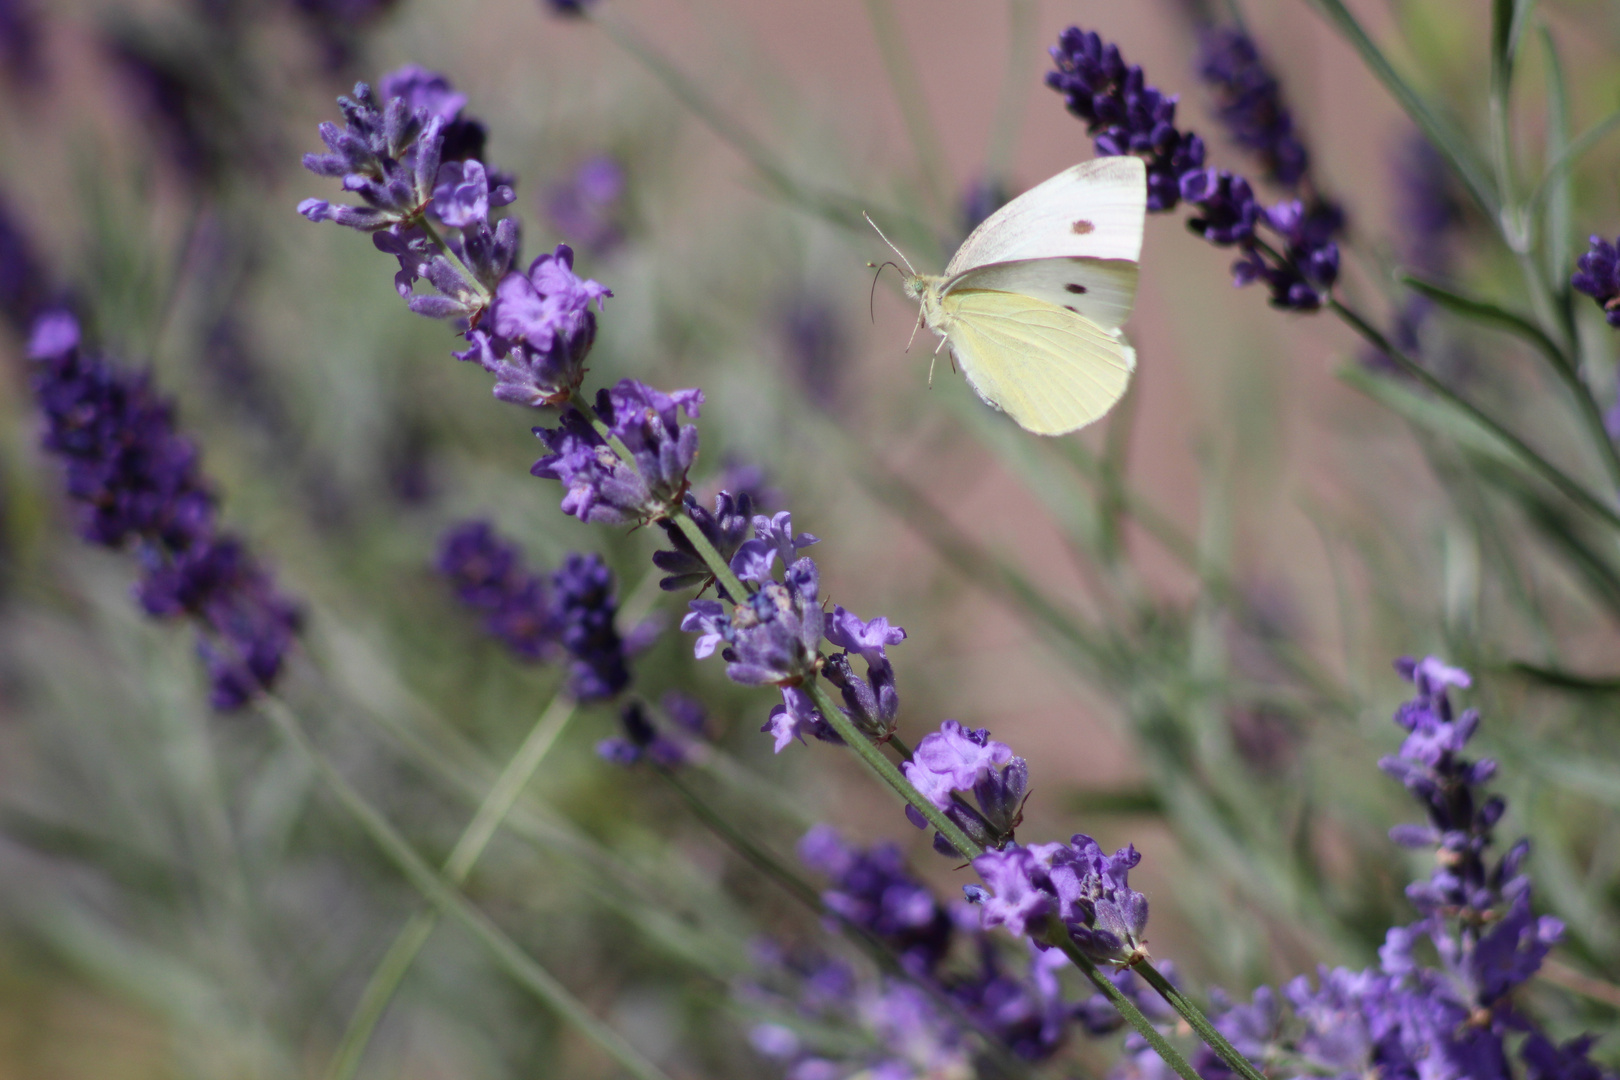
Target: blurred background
(1183, 617)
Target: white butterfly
(1032, 302)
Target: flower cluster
(137, 483)
(645, 739)
(602, 486)
(905, 1032)
(572, 613)
(488, 575)
(946, 952)
(955, 761)
(1403, 1018)
(1126, 116)
(1598, 276)
(1089, 892)
(1249, 102)
(414, 160)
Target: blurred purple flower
(1249, 102)
(1597, 275)
(21, 47)
(487, 574)
(586, 208)
(725, 528)
(585, 610)
(136, 482)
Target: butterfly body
(1032, 303)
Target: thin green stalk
(1014, 93)
(390, 972)
(908, 94)
(1198, 1021)
(1549, 472)
(1058, 936)
(706, 551)
(506, 952)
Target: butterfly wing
(1050, 369)
(1103, 290)
(1094, 210)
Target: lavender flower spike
(1598, 276)
(1086, 889)
(137, 483)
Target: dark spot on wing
(1082, 227)
(1078, 290)
(1066, 307)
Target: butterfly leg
(932, 360)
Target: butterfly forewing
(1094, 210)
(1050, 369)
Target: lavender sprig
(1125, 115)
(136, 484)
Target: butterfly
(1032, 303)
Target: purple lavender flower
(956, 759)
(725, 528)
(1227, 208)
(1126, 116)
(982, 198)
(602, 487)
(642, 740)
(388, 152)
(872, 703)
(543, 329)
(136, 482)
(586, 207)
(1088, 891)
(488, 575)
(1549, 1061)
(1249, 102)
(1428, 207)
(816, 346)
(585, 609)
(755, 560)
(1123, 114)
(1598, 276)
(871, 889)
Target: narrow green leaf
(1126, 801)
(1501, 42)
(1432, 413)
(1522, 10)
(1441, 131)
(1572, 153)
(1563, 679)
(1558, 223)
(1484, 311)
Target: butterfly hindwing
(1103, 290)
(1048, 368)
(1094, 210)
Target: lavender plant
(626, 920)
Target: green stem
(913, 106)
(706, 551)
(506, 952)
(1058, 936)
(1549, 472)
(1198, 1021)
(888, 770)
(390, 972)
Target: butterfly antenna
(871, 301)
(892, 248)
